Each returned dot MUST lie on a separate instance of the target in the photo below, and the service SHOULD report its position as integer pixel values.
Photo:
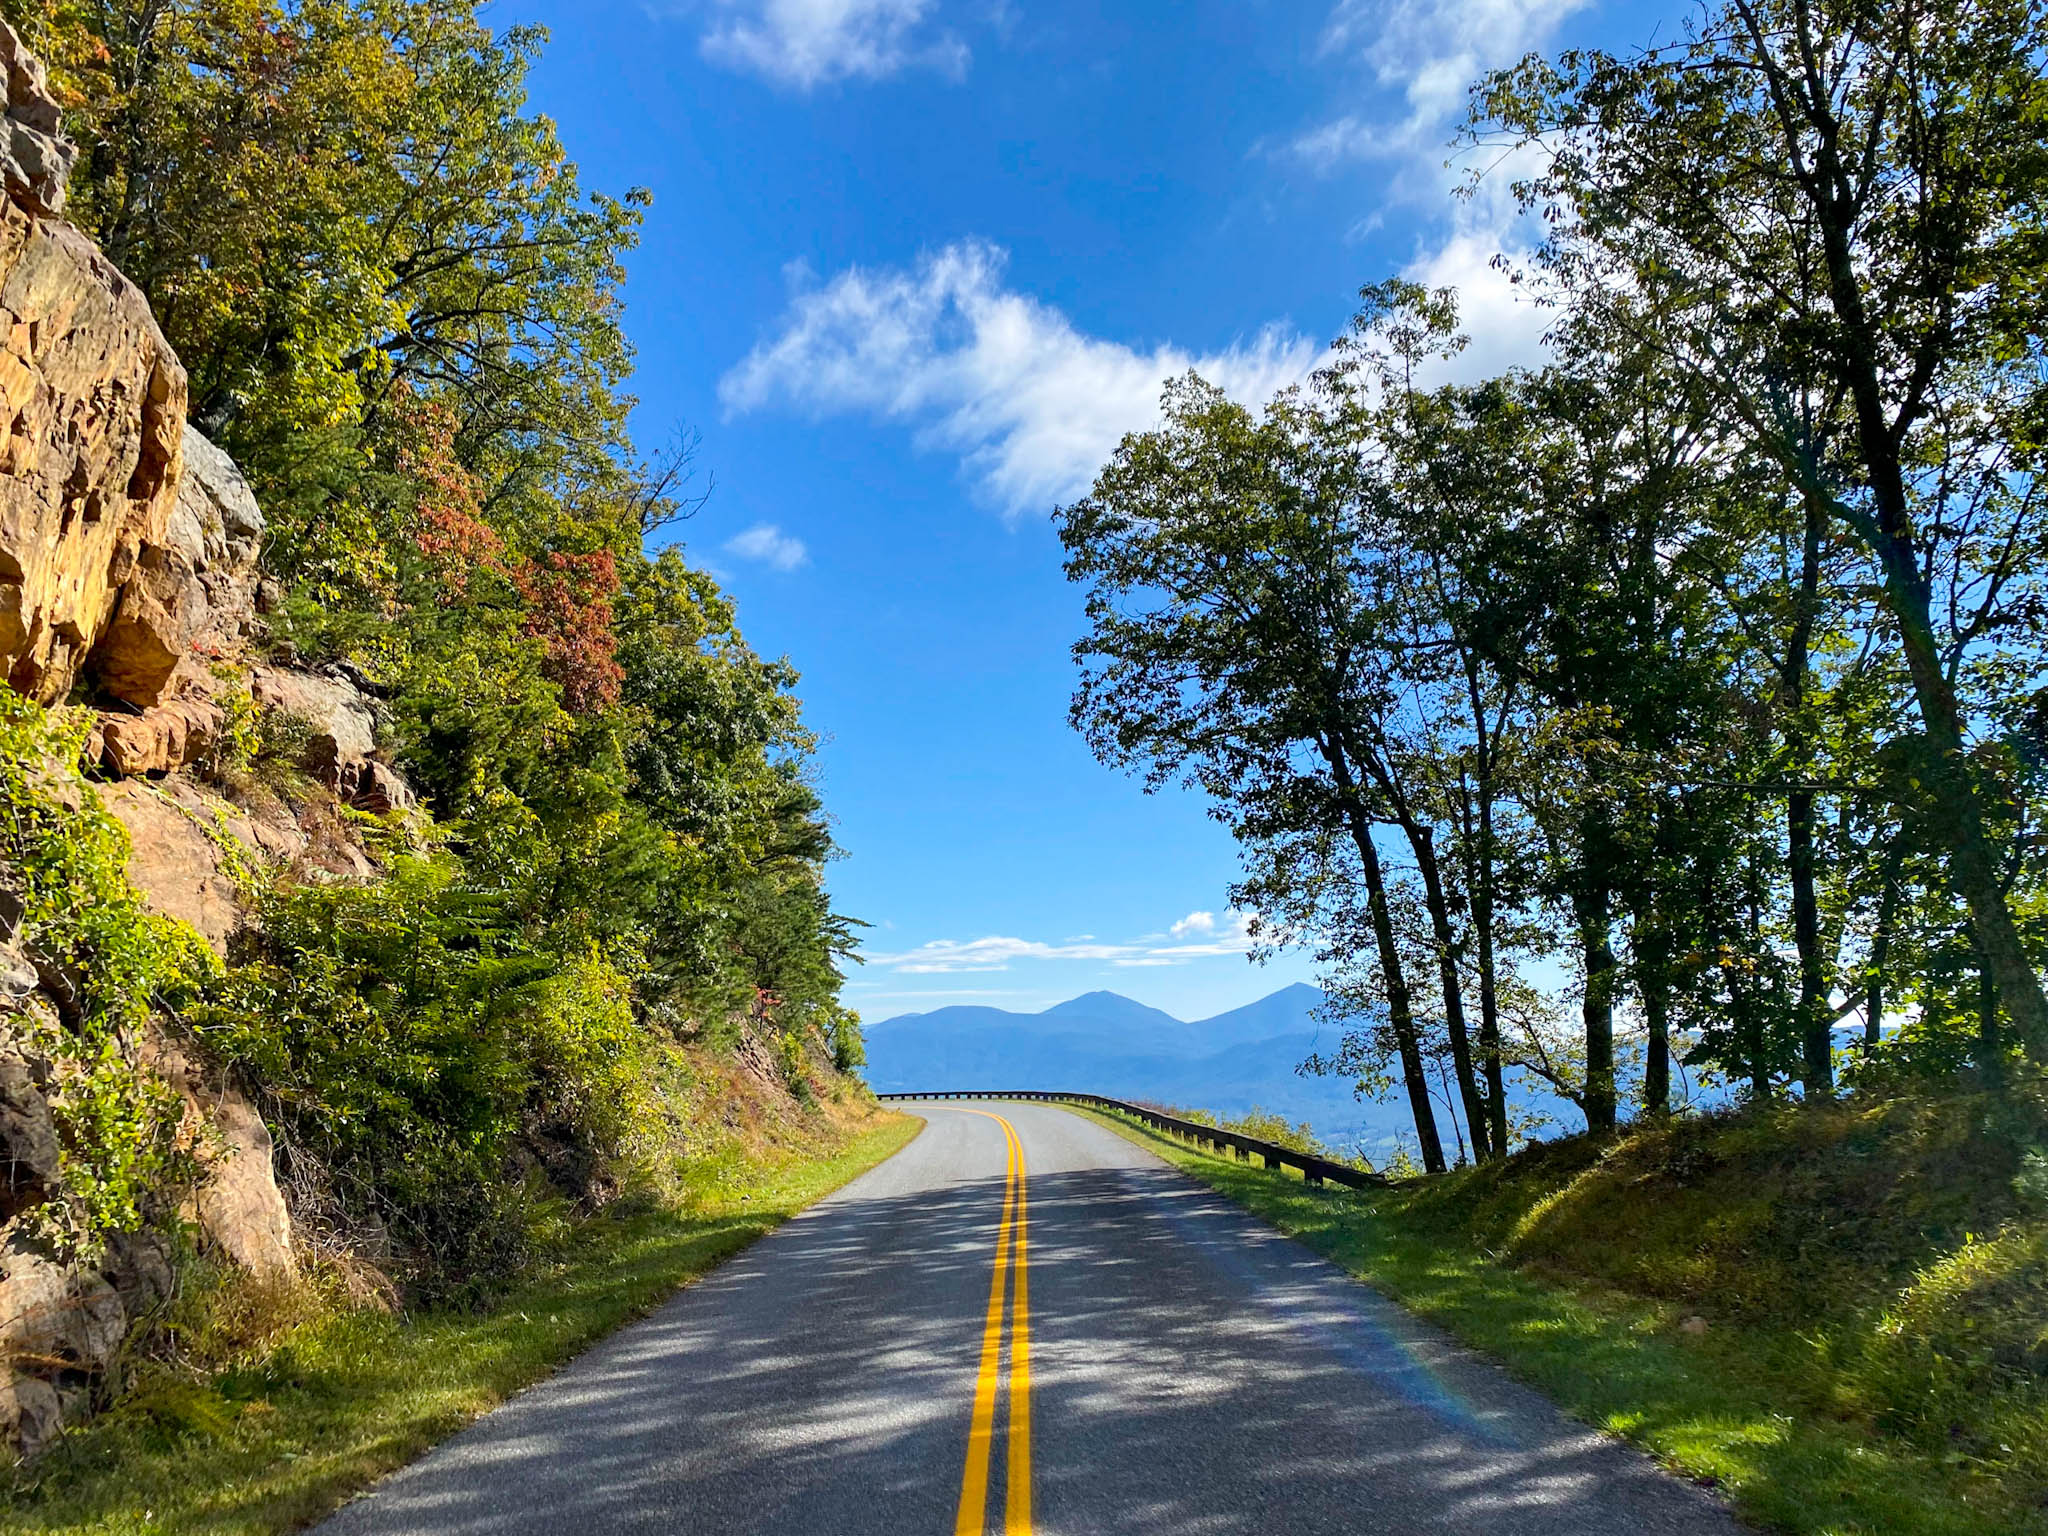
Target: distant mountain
(1109, 1044)
(1111, 1007)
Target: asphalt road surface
(1023, 1322)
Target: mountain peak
(1108, 1007)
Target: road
(1167, 1365)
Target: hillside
(1837, 1315)
(405, 867)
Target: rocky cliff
(130, 549)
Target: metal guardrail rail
(1314, 1170)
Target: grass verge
(1768, 1415)
(351, 1395)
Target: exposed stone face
(199, 586)
(374, 787)
(161, 739)
(342, 722)
(59, 1327)
(35, 159)
(174, 862)
(217, 524)
(28, 1132)
(128, 549)
(93, 404)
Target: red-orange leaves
(448, 527)
(568, 609)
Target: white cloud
(807, 43)
(1502, 318)
(1431, 52)
(768, 544)
(1032, 406)
(1187, 940)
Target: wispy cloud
(1187, 940)
(1032, 406)
(1430, 52)
(767, 544)
(807, 43)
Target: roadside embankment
(316, 1400)
(1839, 1317)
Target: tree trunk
(1888, 530)
(1990, 1042)
(1423, 844)
(1652, 943)
(1400, 1005)
(1489, 997)
(1593, 902)
(1881, 944)
(1400, 1010)
(1816, 1019)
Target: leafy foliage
(407, 1042)
(110, 964)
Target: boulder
(341, 718)
(238, 1206)
(35, 159)
(162, 739)
(373, 786)
(216, 524)
(59, 1327)
(341, 721)
(199, 587)
(29, 1149)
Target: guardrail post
(1272, 1159)
(1312, 1176)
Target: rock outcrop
(201, 580)
(93, 403)
(36, 158)
(237, 1206)
(62, 1325)
(129, 572)
(129, 548)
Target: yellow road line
(980, 1434)
(1017, 1504)
(1010, 1238)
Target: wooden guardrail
(1314, 1170)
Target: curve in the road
(1173, 1366)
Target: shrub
(794, 1064)
(446, 1082)
(849, 1049)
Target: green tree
(1236, 631)
(1828, 213)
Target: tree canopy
(1708, 653)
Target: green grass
(1575, 1265)
(351, 1395)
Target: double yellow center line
(1010, 1258)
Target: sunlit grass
(351, 1395)
(1759, 1409)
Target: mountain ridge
(1103, 1042)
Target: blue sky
(912, 268)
